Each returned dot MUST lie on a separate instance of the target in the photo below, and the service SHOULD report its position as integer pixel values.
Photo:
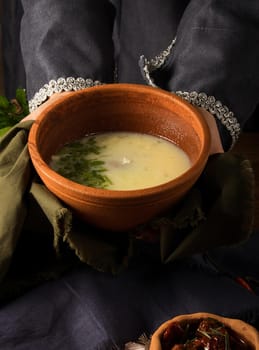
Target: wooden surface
(248, 145)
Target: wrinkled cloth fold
(81, 41)
(40, 238)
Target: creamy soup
(121, 161)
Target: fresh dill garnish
(77, 162)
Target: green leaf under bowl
(13, 111)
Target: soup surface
(120, 161)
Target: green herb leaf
(3, 131)
(73, 162)
(13, 111)
(227, 342)
(4, 103)
(22, 99)
(204, 333)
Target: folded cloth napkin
(41, 239)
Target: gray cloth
(215, 52)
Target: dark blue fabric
(215, 52)
(69, 39)
(90, 310)
(145, 28)
(14, 72)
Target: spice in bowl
(202, 334)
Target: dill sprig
(77, 162)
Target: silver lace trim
(60, 85)
(153, 64)
(215, 107)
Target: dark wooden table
(248, 145)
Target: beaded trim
(216, 108)
(148, 66)
(59, 85)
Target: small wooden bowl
(246, 332)
(118, 107)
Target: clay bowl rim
(228, 321)
(97, 194)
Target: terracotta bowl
(118, 107)
(245, 331)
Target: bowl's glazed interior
(118, 107)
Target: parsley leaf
(13, 111)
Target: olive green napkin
(41, 239)
(218, 211)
